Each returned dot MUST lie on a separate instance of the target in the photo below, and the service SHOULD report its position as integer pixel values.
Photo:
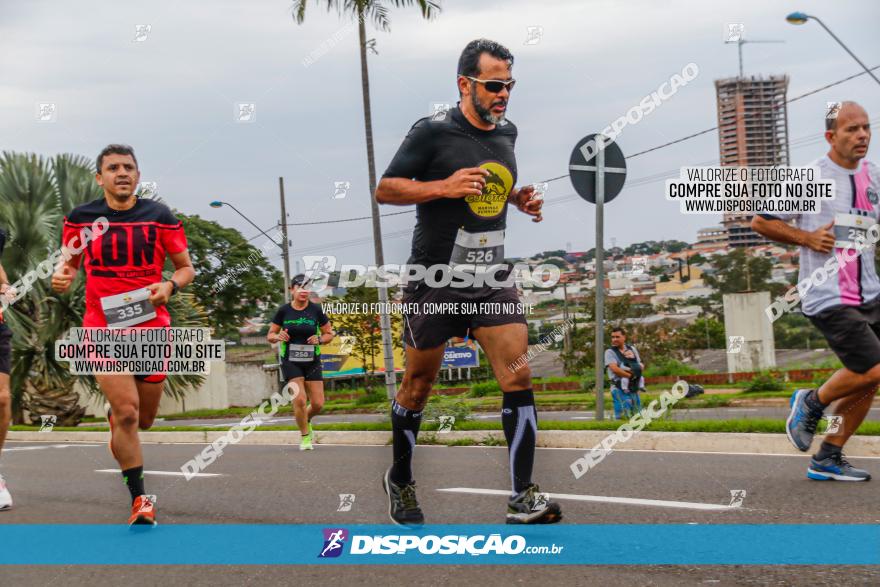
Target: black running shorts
(5, 349)
(310, 371)
(433, 315)
(853, 333)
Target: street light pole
(285, 250)
(801, 18)
(218, 204)
(599, 342)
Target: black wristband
(174, 287)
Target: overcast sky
(173, 96)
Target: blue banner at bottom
(600, 544)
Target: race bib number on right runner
(848, 227)
(128, 309)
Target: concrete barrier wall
(212, 394)
(247, 384)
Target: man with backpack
(624, 368)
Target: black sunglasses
(494, 85)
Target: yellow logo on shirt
(499, 182)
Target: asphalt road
(772, 413)
(280, 485)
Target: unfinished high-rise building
(752, 132)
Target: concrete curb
(858, 446)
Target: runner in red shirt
(127, 259)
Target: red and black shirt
(130, 255)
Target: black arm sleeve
(414, 154)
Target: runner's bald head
(848, 132)
(838, 109)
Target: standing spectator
(624, 368)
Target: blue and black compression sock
(520, 421)
(404, 432)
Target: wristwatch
(174, 287)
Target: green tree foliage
(654, 247)
(365, 327)
(548, 254)
(794, 331)
(739, 271)
(703, 333)
(233, 277)
(654, 341)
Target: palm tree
(35, 194)
(377, 11)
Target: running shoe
(835, 468)
(403, 507)
(110, 425)
(532, 507)
(143, 512)
(305, 442)
(311, 430)
(802, 421)
(5, 496)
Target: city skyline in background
(172, 89)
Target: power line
(658, 147)
(802, 141)
(708, 130)
(798, 142)
(349, 219)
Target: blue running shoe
(802, 421)
(835, 468)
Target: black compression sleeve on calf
(134, 479)
(404, 432)
(520, 421)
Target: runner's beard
(486, 113)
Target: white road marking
(45, 447)
(166, 473)
(605, 499)
(684, 452)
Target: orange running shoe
(143, 511)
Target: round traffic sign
(582, 168)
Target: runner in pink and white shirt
(845, 307)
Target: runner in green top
(300, 327)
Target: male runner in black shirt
(460, 171)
